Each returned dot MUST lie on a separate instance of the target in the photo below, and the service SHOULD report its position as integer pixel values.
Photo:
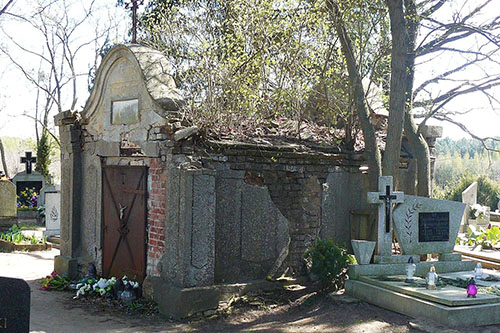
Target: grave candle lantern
(410, 270)
(471, 288)
(128, 295)
(478, 271)
(431, 278)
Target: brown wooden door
(124, 231)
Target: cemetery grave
(405, 284)
(23, 201)
(479, 237)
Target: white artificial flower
(134, 284)
(103, 283)
(80, 291)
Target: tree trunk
(372, 151)
(417, 142)
(421, 152)
(4, 162)
(397, 99)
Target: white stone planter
(363, 250)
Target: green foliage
(464, 147)
(487, 194)
(43, 153)
(486, 238)
(14, 235)
(242, 62)
(329, 263)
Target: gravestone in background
(469, 195)
(8, 206)
(24, 180)
(47, 188)
(52, 213)
(425, 225)
(15, 299)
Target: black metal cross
(28, 160)
(134, 4)
(388, 205)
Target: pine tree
(43, 155)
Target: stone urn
(363, 250)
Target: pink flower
(45, 288)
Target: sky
(18, 96)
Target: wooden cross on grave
(385, 198)
(28, 160)
(134, 5)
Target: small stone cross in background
(385, 198)
(28, 160)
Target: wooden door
(124, 227)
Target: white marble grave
(52, 213)
(469, 195)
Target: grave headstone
(8, 206)
(385, 198)
(24, 180)
(425, 225)
(469, 195)
(52, 213)
(15, 299)
(43, 190)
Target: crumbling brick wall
(156, 214)
(295, 184)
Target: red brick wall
(156, 214)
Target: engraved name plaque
(125, 112)
(434, 227)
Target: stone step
(491, 255)
(54, 239)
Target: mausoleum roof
(158, 76)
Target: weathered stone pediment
(134, 87)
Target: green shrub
(329, 263)
(488, 191)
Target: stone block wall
(295, 184)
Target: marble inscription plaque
(125, 112)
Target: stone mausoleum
(191, 218)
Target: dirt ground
(298, 310)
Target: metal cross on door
(124, 231)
